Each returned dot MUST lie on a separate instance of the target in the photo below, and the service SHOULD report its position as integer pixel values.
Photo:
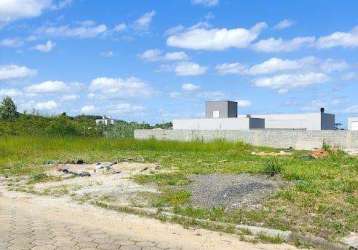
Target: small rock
(84, 174)
(80, 161)
(65, 171)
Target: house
(105, 120)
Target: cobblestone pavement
(32, 222)
(21, 230)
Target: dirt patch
(111, 181)
(281, 153)
(232, 191)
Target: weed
(270, 239)
(272, 167)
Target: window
(216, 114)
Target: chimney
(322, 110)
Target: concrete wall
(242, 123)
(226, 109)
(298, 139)
(309, 121)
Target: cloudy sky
(158, 60)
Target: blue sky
(158, 60)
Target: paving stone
(145, 244)
(22, 230)
(130, 248)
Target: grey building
(221, 109)
(306, 121)
(222, 115)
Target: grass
(272, 167)
(322, 199)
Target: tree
(8, 109)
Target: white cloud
(269, 66)
(284, 24)
(284, 82)
(49, 105)
(176, 56)
(339, 39)
(10, 92)
(87, 109)
(12, 10)
(351, 109)
(14, 72)
(144, 21)
(231, 68)
(212, 95)
(190, 87)
(331, 65)
(157, 55)
(174, 30)
(243, 103)
(86, 29)
(274, 65)
(350, 76)
(125, 108)
(71, 97)
(130, 87)
(107, 54)
(48, 87)
(46, 47)
(61, 4)
(11, 43)
(151, 55)
(200, 38)
(174, 94)
(120, 27)
(280, 45)
(189, 69)
(207, 3)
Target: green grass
(321, 200)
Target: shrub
(62, 127)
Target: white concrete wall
(353, 123)
(309, 121)
(298, 139)
(242, 123)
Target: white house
(105, 120)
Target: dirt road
(39, 222)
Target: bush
(272, 167)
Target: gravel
(232, 191)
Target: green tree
(8, 109)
